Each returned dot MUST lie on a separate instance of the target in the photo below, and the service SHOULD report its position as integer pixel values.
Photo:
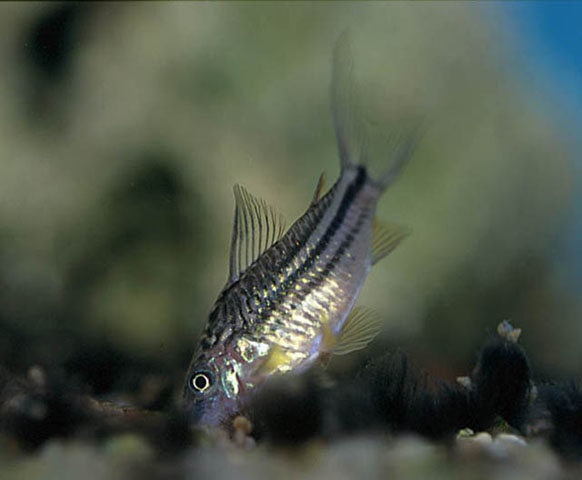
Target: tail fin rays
(350, 126)
(405, 145)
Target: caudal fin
(350, 127)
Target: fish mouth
(210, 414)
(214, 422)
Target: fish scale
(290, 295)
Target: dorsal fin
(385, 238)
(319, 189)
(257, 225)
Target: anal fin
(361, 327)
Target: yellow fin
(361, 327)
(385, 238)
(276, 358)
(319, 188)
(328, 340)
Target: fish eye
(201, 381)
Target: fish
(289, 300)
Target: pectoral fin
(361, 327)
(275, 359)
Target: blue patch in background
(551, 34)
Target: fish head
(212, 392)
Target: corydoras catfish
(289, 298)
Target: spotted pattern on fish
(266, 291)
(288, 298)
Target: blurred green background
(123, 128)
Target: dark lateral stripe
(340, 215)
(300, 234)
(347, 242)
(349, 196)
(334, 225)
(330, 265)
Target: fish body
(289, 298)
